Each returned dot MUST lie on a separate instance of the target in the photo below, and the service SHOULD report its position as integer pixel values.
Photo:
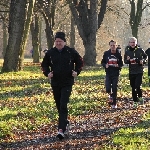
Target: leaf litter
(93, 129)
(87, 131)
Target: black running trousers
(136, 82)
(61, 97)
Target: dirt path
(87, 131)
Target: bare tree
(72, 33)
(88, 20)
(29, 12)
(134, 15)
(35, 30)
(47, 8)
(16, 26)
(26, 32)
(5, 32)
(4, 15)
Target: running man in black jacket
(61, 65)
(112, 62)
(136, 58)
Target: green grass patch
(26, 102)
(135, 138)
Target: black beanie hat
(60, 35)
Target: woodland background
(120, 20)
(28, 115)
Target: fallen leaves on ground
(87, 131)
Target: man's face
(59, 43)
(113, 46)
(132, 43)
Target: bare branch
(147, 5)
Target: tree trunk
(48, 15)
(5, 35)
(90, 50)
(26, 32)
(49, 35)
(35, 38)
(102, 12)
(16, 26)
(88, 20)
(134, 29)
(40, 41)
(90, 43)
(85, 16)
(72, 33)
(135, 16)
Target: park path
(87, 131)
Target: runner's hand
(50, 75)
(74, 73)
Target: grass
(26, 103)
(135, 138)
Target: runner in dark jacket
(112, 62)
(136, 58)
(61, 65)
